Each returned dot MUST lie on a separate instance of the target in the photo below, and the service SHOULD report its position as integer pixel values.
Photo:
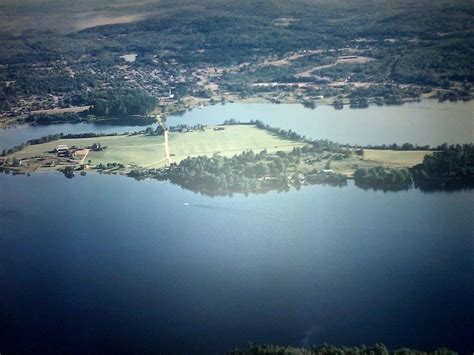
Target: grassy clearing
(233, 140)
(61, 110)
(134, 150)
(396, 158)
(373, 158)
(149, 151)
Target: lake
(109, 264)
(427, 122)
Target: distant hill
(66, 16)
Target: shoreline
(248, 101)
(296, 163)
(255, 191)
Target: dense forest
(44, 118)
(383, 178)
(245, 172)
(434, 49)
(449, 168)
(324, 349)
(298, 50)
(121, 103)
(220, 175)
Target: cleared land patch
(340, 60)
(88, 20)
(135, 150)
(61, 110)
(396, 158)
(227, 142)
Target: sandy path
(167, 148)
(155, 162)
(165, 135)
(85, 156)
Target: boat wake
(214, 208)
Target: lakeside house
(62, 150)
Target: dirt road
(165, 135)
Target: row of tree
(44, 118)
(286, 134)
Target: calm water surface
(107, 263)
(427, 122)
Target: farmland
(395, 158)
(148, 151)
(229, 141)
(238, 158)
(128, 150)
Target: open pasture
(396, 158)
(229, 141)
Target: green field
(396, 158)
(233, 140)
(133, 150)
(149, 151)
(373, 158)
(143, 151)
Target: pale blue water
(107, 264)
(427, 122)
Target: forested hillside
(385, 51)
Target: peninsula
(236, 157)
